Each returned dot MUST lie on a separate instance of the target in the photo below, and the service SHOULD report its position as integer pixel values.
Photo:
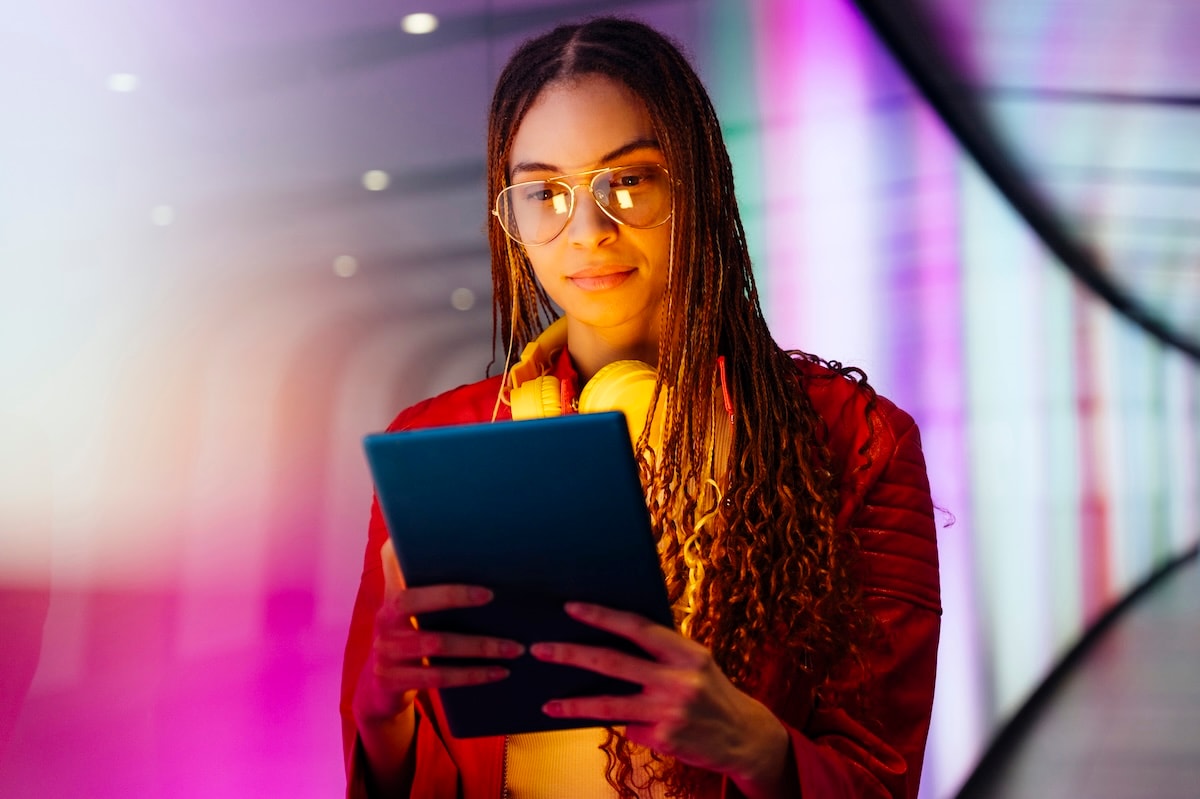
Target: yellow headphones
(626, 386)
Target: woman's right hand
(398, 665)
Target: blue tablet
(543, 512)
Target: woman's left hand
(687, 709)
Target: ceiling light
(419, 23)
(376, 180)
(123, 82)
(462, 299)
(345, 266)
(162, 215)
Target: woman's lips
(600, 281)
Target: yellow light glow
(462, 299)
(376, 180)
(419, 23)
(345, 266)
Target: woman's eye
(633, 178)
(540, 194)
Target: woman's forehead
(577, 124)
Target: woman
(791, 504)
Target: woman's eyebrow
(623, 150)
(639, 144)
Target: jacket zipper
(504, 771)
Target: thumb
(393, 579)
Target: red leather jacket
(836, 755)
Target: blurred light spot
(376, 180)
(345, 266)
(419, 23)
(162, 215)
(462, 299)
(122, 82)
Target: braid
(750, 549)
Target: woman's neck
(594, 348)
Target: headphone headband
(626, 386)
(537, 356)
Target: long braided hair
(755, 557)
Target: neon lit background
(189, 359)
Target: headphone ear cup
(536, 398)
(626, 386)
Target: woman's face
(608, 278)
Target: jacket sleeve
(877, 750)
(437, 775)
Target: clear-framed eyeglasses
(534, 212)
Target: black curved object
(906, 32)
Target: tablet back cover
(542, 512)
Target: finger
(635, 709)
(662, 643)
(414, 644)
(409, 677)
(601, 660)
(415, 601)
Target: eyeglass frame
(571, 187)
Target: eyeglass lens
(536, 211)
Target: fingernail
(541, 650)
(479, 595)
(577, 608)
(497, 673)
(552, 708)
(511, 649)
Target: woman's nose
(589, 225)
